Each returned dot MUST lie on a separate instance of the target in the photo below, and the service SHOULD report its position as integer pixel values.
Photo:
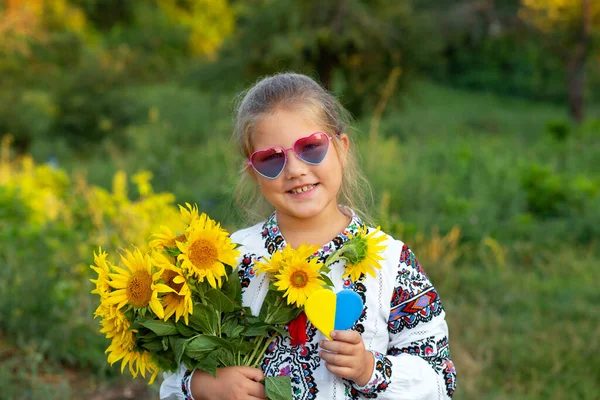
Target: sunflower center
(168, 277)
(139, 289)
(203, 254)
(299, 279)
(173, 242)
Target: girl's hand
(231, 383)
(346, 356)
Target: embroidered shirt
(402, 324)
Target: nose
(294, 167)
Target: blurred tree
(106, 14)
(569, 27)
(350, 45)
(209, 22)
(39, 39)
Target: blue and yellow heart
(329, 311)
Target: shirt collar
(273, 234)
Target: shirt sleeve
(176, 385)
(417, 364)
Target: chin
(309, 211)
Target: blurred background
(478, 123)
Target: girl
(292, 134)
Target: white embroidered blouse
(402, 324)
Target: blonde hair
(294, 91)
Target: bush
(50, 225)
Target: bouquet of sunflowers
(181, 302)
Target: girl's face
(319, 184)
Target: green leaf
(172, 251)
(232, 328)
(203, 344)
(165, 343)
(137, 324)
(153, 346)
(165, 361)
(202, 288)
(272, 297)
(204, 319)
(247, 314)
(257, 329)
(282, 315)
(333, 257)
(327, 281)
(184, 329)
(146, 336)
(188, 361)
(225, 357)
(325, 270)
(178, 346)
(278, 387)
(233, 287)
(161, 328)
(244, 347)
(208, 363)
(280, 329)
(219, 301)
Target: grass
(504, 217)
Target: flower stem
(248, 361)
(256, 362)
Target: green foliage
(88, 108)
(511, 63)
(222, 333)
(559, 130)
(550, 194)
(350, 47)
(106, 14)
(277, 387)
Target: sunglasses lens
(269, 162)
(313, 148)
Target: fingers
(253, 387)
(257, 390)
(345, 342)
(347, 336)
(344, 372)
(347, 357)
(252, 373)
(337, 359)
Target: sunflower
(165, 239)
(362, 253)
(188, 216)
(102, 268)
(299, 278)
(113, 322)
(207, 249)
(122, 347)
(178, 302)
(138, 286)
(280, 258)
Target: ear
(345, 140)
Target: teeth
(302, 189)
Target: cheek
(333, 168)
(268, 186)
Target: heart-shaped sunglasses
(311, 149)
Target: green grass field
(521, 185)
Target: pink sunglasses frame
(293, 148)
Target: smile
(302, 189)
